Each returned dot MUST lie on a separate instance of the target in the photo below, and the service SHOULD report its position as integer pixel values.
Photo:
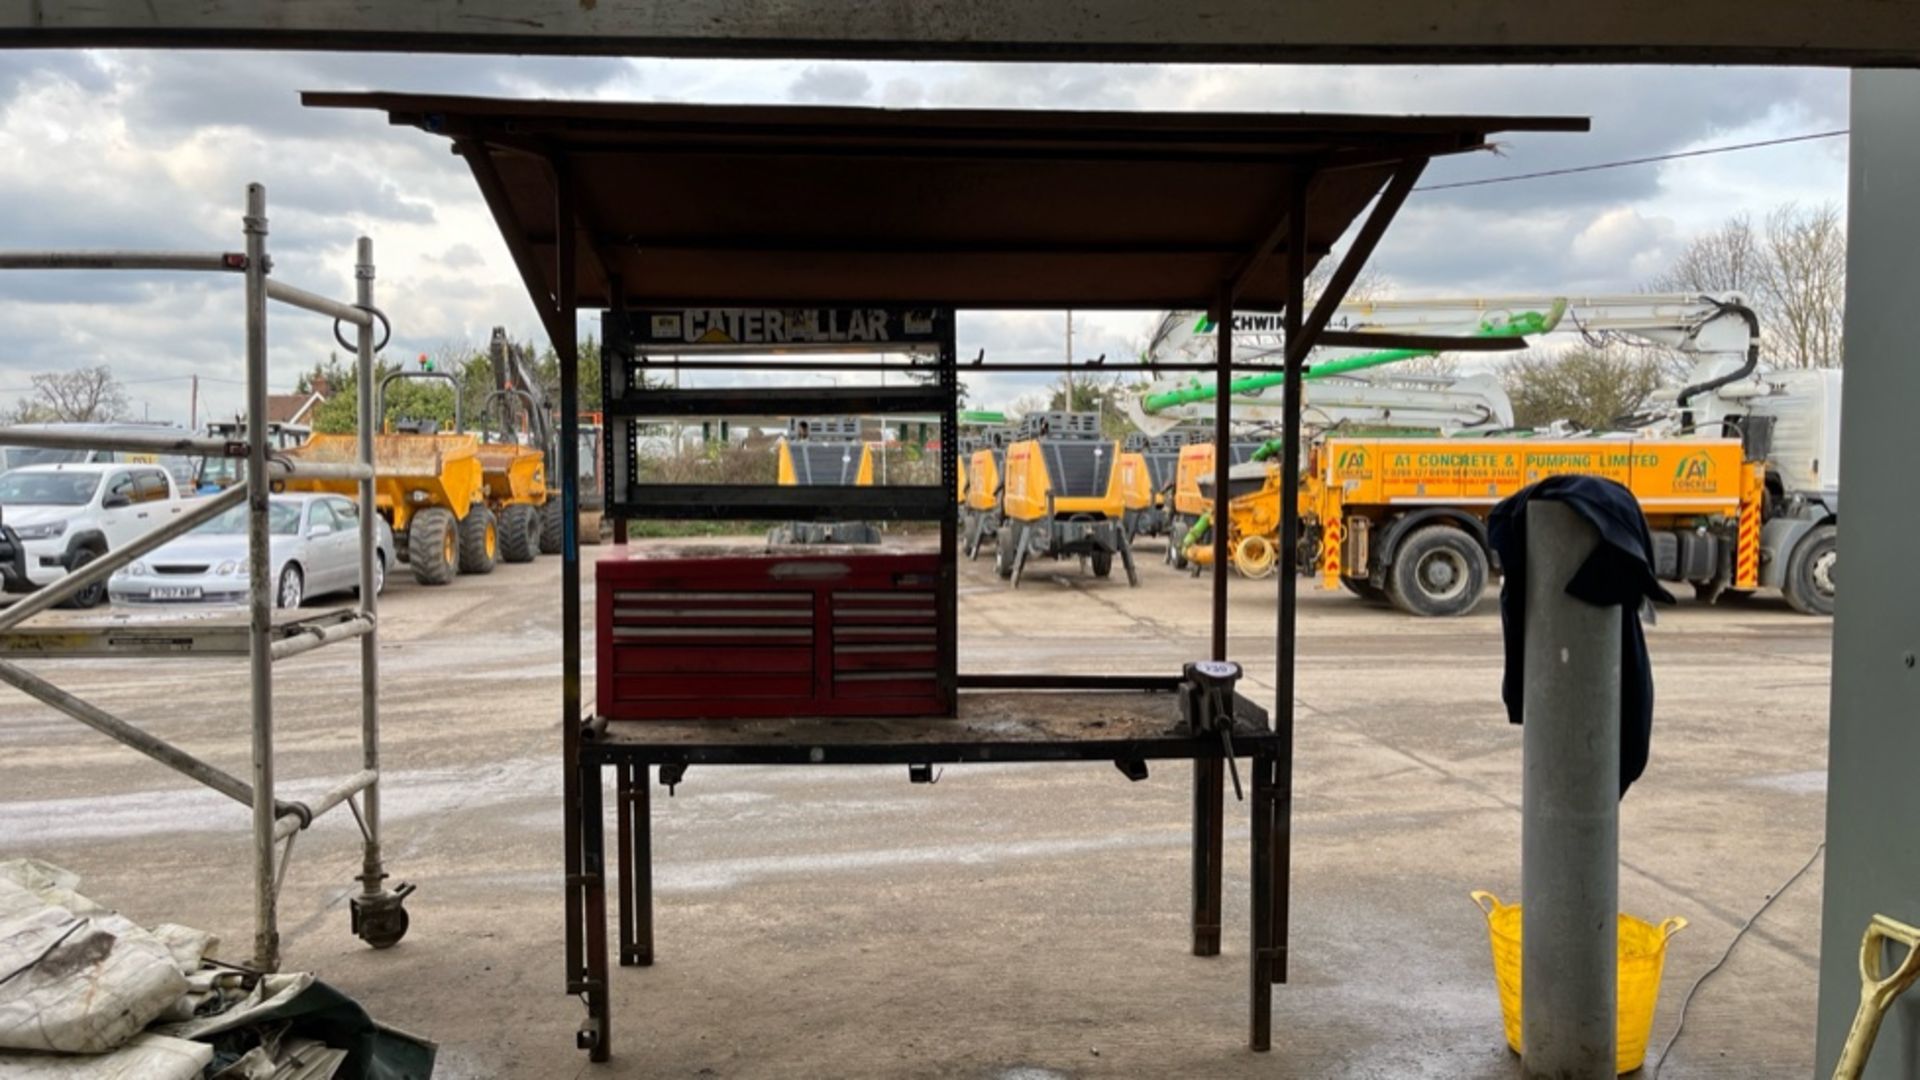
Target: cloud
(460, 257)
(833, 84)
(139, 149)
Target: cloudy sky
(152, 150)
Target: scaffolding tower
(268, 636)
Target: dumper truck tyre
(1810, 583)
(1003, 552)
(1102, 563)
(1438, 571)
(552, 527)
(519, 528)
(479, 541)
(433, 546)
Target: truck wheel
(1004, 548)
(1102, 563)
(552, 525)
(1364, 588)
(1439, 570)
(93, 595)
(479, 541)
(519, 533)
(1810, 572)
(433, 546)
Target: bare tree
(1804, 284)
(1439, 365)
(1728, 259)
(1793, 271)
(1588, 387)
(1367, 285)
(82, 395)
(1033, 401)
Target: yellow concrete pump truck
(1737, 470)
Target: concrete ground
(1012, 921)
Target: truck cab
(55, 519)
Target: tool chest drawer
(707, 635)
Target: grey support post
(372, 873)
(266, 937)
(1570, 831)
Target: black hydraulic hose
(1746, 369)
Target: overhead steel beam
(492, 189)
(1839, 33)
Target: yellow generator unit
(1062, 497)
(980, 513)
(1403, 521)
(825, 452)
(1150, 466)
(1136, 487)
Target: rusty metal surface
(696, 204)
(1003, 717)
(394, 455)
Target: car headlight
(46, 530)
(132, 569)
(232, 568)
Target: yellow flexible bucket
(1643, 952)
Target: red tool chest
(718, 633)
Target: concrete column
(1873, 804)
(1570, 833)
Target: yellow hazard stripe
(1746, 553)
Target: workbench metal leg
(1209, 777)
(1282, 844)
(1261, 955)
(593, 829)
(634, 801)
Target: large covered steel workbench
(680, 210)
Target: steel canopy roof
(780, 205)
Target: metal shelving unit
(266, 636)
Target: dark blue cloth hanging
(1620, 571)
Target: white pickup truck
(57, 518)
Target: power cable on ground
(1681, 1025)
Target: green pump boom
(1520, 325)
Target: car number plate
(176, 592)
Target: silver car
(315, 540)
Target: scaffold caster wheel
(380, 920)
(588, 1037)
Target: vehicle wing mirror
(116, 502)
(321, 529)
